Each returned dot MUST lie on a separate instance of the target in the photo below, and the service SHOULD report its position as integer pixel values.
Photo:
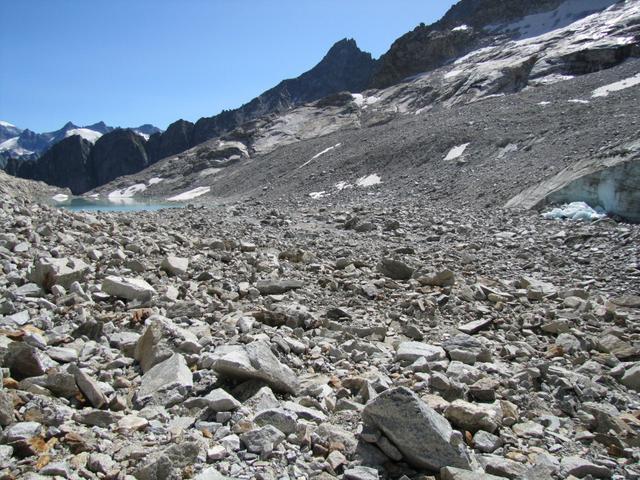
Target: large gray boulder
(161, 339)
(255, 361)
(128, 288)
(167, 383)
(47, 272)
(395, 269)
(423, 436)
(26, 361)
(175, 265)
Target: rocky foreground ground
(373, 339)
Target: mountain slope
(508, 117)
(473, 24)
(344, 67)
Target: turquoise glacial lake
(82, 204)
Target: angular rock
(95, 418)
(47, 272)
(473, 416)
(262, 440)
(361, 473)
(424, 437)
(161, 339)
(7, 412)
(20, 435)
(282, 419)
(175, 265)
(452, 473)
(128, 288)
(166, 383)
(277, 287)
(395, 269)
(435, 278)
(220, 401)
(474, 327)
(88, 387)
(255, 361)
(412, 351)
(25, 361)
(580, 467)
(631, 378)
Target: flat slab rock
(128, 288)
(277, 287)
(423, 436)
(257, 361)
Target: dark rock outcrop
(176, 139)
(121, 152)
(422, 50)
(63, 165)
(480, 13)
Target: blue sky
(129, 62)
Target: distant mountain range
(74, 164)
(26, 144)
(83, 158)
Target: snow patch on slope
(60, 197)
(456, 152)
(369, 180)
(86, 133)
(155, 180)
(128, 192)
(343, 185)
(617, 86)
(317, 155)
(189, 195)
(7, 124)
(540, 23)
(318, 195)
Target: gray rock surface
(423, 436)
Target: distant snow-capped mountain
(7, 131)
(18, 143)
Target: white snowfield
(456, 152)
(12, 145)
(189, 195)
(617, 86)
(155, 180)
(460, 28)
(317, 155)
(369, 180)
(60, 197)
(128, 192)
(86, 133)
(6, 124)
(342, 185)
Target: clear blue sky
(129, 62)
